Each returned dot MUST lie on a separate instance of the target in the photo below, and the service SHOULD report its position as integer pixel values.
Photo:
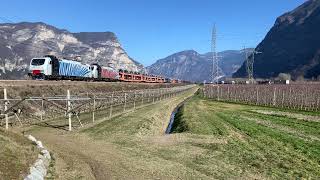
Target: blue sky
(153, 29)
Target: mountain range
(189, 65)
(292, 45)
(20, 42)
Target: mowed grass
(17, 154)
(272, 146)
(211, 140)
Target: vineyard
(295, 96)
(60, 111)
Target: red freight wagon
(109, 73)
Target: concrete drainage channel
(38, 171)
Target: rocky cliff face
(192, 66)
(21, 42)
(291, 46)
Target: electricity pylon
(216, 70)
(249, 63)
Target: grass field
(211, 140)
(220, 141)
(260, 142)
(17, 154)
(104, 151)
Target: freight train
(51, 68)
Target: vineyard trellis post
(257, 94)
(290, 98)
(94, 108)
(228, 98)
(42, 108)
(6, 107)
(125, 102)
(282, 101)
(218, 93)
(134, 100)
(110, 115)
(142, 97)
(69, 109)
(274, 96)
(152, 97)
(317, 103)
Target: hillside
(23, 41)
(191, 66)
(291, 46)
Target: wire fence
(296, 96)
(72, 111)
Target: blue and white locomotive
(50, 67)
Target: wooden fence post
(69, 109)
(6, 107)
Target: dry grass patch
(299, 116)
(221, 141)
(17, 154)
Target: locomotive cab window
(37, 62)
